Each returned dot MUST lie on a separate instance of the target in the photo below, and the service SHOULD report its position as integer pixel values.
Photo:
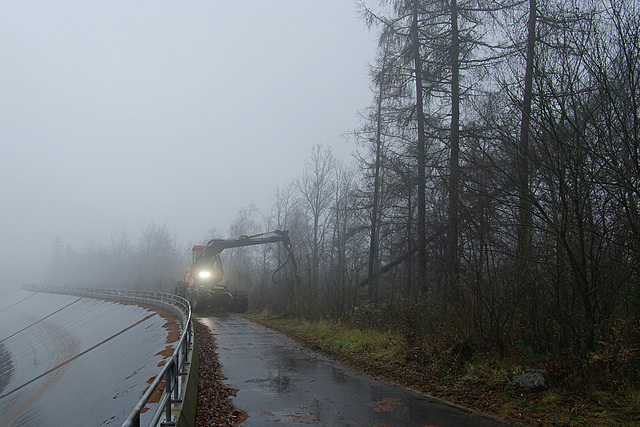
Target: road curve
(279, 382)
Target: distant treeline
(156, 262)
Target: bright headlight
(204, 274)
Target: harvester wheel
(240, 301)
(198, 301)
(181, 289)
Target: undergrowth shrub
(415, 316)
(615, 362)
(492, 374)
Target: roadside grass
(479, 382)
(338, 340)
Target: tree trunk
(421, 220)
(454, 168)
(524, 203)
(373, 243)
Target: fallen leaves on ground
(214, 397)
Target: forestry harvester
(202, 285)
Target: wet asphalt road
(279, 382)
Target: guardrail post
(169, 384)
(176, 379)
(184, 348)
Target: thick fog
(115, 115)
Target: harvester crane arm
(215, 246)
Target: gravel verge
(214, 406)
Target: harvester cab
(202, 284)
(206, 270)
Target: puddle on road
(386, 405)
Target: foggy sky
(121, 113)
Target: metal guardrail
(174, 372)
